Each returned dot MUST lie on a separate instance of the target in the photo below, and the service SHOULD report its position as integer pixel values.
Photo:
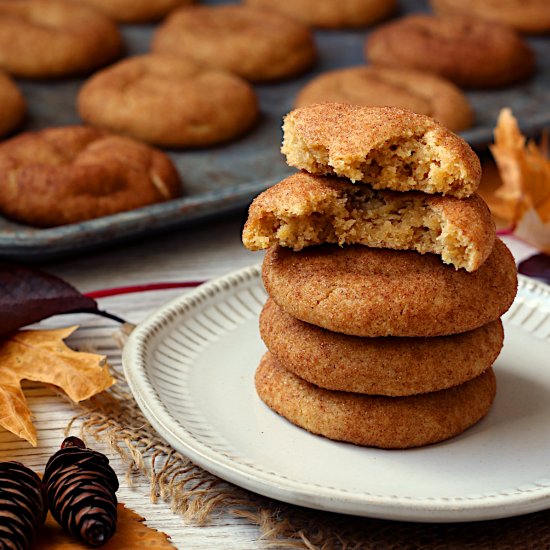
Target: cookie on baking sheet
(74, 173)
(375, 421)
(366, 291)
(330, 14)
(304, 210)
(378, 366)
(12, 105)
(527, 16)
(469, 51)
(168, 101)
(54, 38)
(257, 44)
(421, 92)
(136, 11)
(385, 147)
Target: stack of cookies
(386, 282)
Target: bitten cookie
(136, 11)
(71, 174)
(375, 421)
(256, 44)
(385, 147)
(305, 210)
(531, 16)
(53, 38)
(168, 101)
(417, 91)
(468, 51)
(330, 14)
(378, 366)
(12, 105)
(365, 291)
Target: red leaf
(29, 295)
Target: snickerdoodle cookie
(256, 44)
(12, 105)
(375, 421)
(365, 291)
(331, 14)
(136, 11)
(386, 147)
(524, 15)
(53, 38)
(378, 366)
(305, 210)
(468, 51)
(168, 101)
(416, 91)
(70, 174)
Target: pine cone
(23, 506)
(81, 490)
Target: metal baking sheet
(225, 178)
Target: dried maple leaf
(42, 356)
(525, 172)
(131, 533)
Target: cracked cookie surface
(75, 173)
(168, 101)
(417, 91)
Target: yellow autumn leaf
(42, 356)
(131, 533)
(524, 169)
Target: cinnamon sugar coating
(376, 421)
(257, 44)
(74, 173)
(388, 365)
(371, 86)
(365, 291)
(386, 147)
(305, 210)
(168, 101)
(54, 38)
(469, 51)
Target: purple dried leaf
(28, 295)
(537, 266)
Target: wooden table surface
(191, 254)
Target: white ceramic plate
(191, 365)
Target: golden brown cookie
(305, 210)
(256, 44)
(417, 91)
(468, 51)
(12, 105)
(330, 14)
(168, 101)
(386, 147)
(71, 174)
(375, 421)
(365, 291)
(136, 11)
(378, 366)
(527, 16)
(53, 38)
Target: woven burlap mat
(114, 418)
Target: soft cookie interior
(404, 163)
(358, 214)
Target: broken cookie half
(305, 210)
(386, 147)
